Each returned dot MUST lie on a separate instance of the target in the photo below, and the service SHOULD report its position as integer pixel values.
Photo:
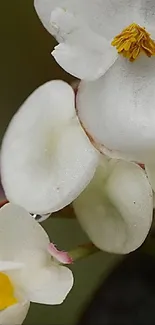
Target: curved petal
(83, 53)
(48, 285)
(44, 9)
(19, 234)
(116, 208)
(107, 18)
(118, 109)
(15, 314)
(52, 160)
(60, 256)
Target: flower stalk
(83, 251)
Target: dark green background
(26, 63)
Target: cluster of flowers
(94, 149)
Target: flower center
(6, 292)
(132, 41)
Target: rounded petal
(48, 285)
(15, 314)
(19, 234)
(107, 18)
(52, 160)
(44, 9)
(118, 109)
(83, 53)
(116, 208)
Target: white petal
(106, 18)
(15, 314)
(146, 12)
(8, 265)
(49, 285)
(116, 208)
(20, 233)
(83, 54)
(52, 160)
(44, 9)
(118, 109)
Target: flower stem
(83, 251)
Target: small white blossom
(47, 159)
(28, 273)
(49, 150)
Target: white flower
(85, 30)
(47, 160)
(46, 157)
(117, 110)
(27, 271)
(116, 208)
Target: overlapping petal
(84, 30)
(118, 109)
(83, 53)
(33, 273)
(104, 17)
(150, 170)
(52, 159)
(48, 285)
(116, 208)
(20, 236)
(15, 314)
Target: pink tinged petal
(49, 151)
(49, 285)
(83, 53)
(118, 110)
(150, 170)
(15, 314)
(60, 256)
(116, 208)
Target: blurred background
(26, 63)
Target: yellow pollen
(132, 41)
(7, 297)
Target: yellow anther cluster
(134, 40)
(6, 292)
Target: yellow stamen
(132, 41)
(7, 297)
